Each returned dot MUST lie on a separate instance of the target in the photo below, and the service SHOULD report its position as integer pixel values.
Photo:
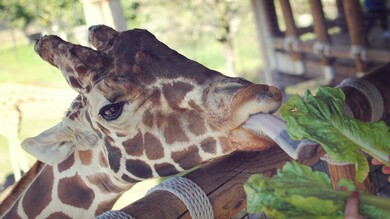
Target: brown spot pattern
(139, 168)
(134, 146)
(173, 132)
(66, 164)
(119, 134)
(114, 155)
(35, 200)
(161, 121)
(73, 115)
(58, 215)
(175, 93)
(81, 69)
(226, 145)
(103, 129)
(104, 183)
(165, 169)
(153, 147)
(73, 191)
(88, 118)
(188, 157)
(147, 119)
(128, 179)
(195, 106)
(13, 213)
(86, 157)
(74, 83)
(102, 160)
(209, 145)
(196, 123)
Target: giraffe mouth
(264, 124)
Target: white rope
(319, 47)
(358, 50)
(291, 41)
(190, 194)
(114, 215)
(372, 94)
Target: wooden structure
(108, 12)
(223, 179)
(341, 46)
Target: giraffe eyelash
(112, 111)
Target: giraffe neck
(75, 188)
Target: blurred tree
(16, 14)
(192, 20)
(52, 15)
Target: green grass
(22, 65)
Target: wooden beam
(341, 17)
(357, 31)
(222, 180)
(263, 19)
(291, 28)
(320, 25)
(268, 11)
(336, 51)
(320, 29)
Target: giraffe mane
(20, 187)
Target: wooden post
(320, 26)
(267, 27)
(357, 32)
(108, 12)
(291, 29)
(341, 17)
(268, 8)
(322, 36)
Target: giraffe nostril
(274, 93)
(269, 94)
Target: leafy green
(298, 192)
(321, 118)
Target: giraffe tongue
(275, 128)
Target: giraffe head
(151, 111)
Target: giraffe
(143, 111)
(12, 99)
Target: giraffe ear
(51, 146)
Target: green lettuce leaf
(321, 118)
(298, 192)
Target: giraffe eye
(111, 111)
